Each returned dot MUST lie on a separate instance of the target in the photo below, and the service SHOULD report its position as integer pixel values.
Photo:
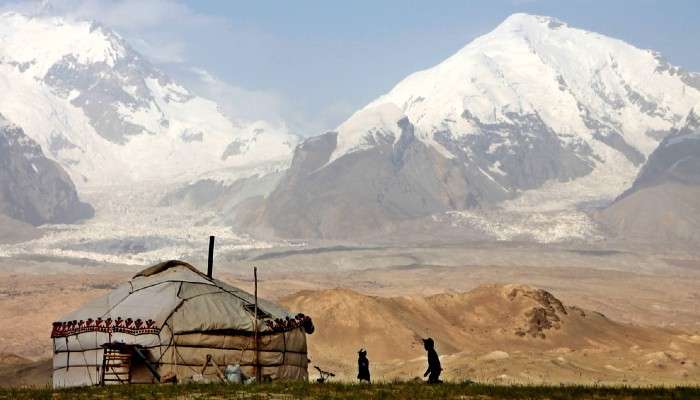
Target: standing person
(434, 367)
(363, 366)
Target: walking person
(363, 366)
(434, 367)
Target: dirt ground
(631, 287)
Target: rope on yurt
(163, 282)
(132, 291)
(175, 352)
(211, 282)
(67, 355)
(173, 343)
(97, 367)
(284, 348)
(163, 352)
(172, 331)
(179, 290)
(258, 371)
(173, 367)
(160, 349)
(236, 295)
(85, 361)
(243, 350)
(116, 304)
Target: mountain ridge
(107, 115)
(532, 105)
(662, 203)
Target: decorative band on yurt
(129, 326)
(288, 324)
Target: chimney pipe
(210, 267)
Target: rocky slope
(34, 189)
(533, 105)
(677, 159)
(662, 204)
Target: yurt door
(116, 364)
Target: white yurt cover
(173, 303)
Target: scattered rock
(542, 317)
(495, 355)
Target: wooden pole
(258, 372)
(210, 260)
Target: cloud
(243, 104)
(161, 53)
(234, 101)
(131, 15)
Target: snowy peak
(521, 22)
(94, 69)
(533, 85)
(24, 40)
(107, 115)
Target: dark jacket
(433, 362)
(363, 368)
(434, 367)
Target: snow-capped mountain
(108, 116)
(34, 189)
(533, 115)
(587, 95)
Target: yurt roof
(176, 293)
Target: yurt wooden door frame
(116, 363)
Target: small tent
(171, 321)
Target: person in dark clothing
(434, 367)
(363, 366)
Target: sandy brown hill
(507, 332)
(12, 359)
(19, 371)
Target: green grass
(385, 391)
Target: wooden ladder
(116, 367)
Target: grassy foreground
(385, 391)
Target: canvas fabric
(195, 316)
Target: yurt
(171, 323)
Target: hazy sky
(312, 63)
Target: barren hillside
(495, 332)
